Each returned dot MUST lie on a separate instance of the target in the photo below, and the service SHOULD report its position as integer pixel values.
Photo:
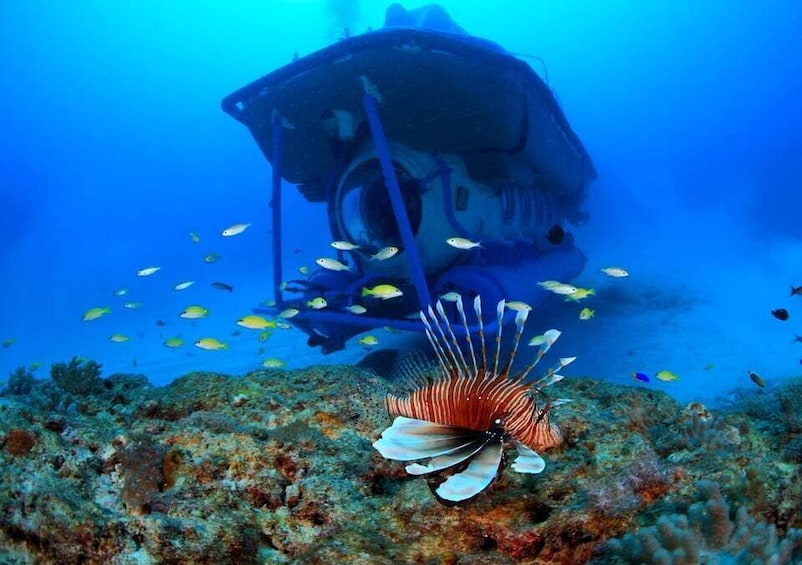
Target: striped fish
(455, 426)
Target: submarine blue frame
(405, 229)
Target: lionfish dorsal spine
(520, 322)
(438, 351)
(462, 364)
(548, 380)
(461, 310)
(477, 308)
(452, 364)
(549, 338)
(499, 321)
(565, 361)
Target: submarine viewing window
(525, 195)
(366, 213)
(508, 203)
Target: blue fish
(640, 377)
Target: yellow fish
(303, 269)
(383, 291)
(210, 344)
(173, 342)
(369, 340)
(317, 303)
(580, 294)
(34, 366)
(288, 313)
(450, 296)
(273, 363)
(119, 338)
(586, 314)
(546, 339)
(7, 343)
(356, 309)
(666, 376)
(254, 322)
(132, 305)
(194, 312)
(95, 313)
(236, 229)
(265, 334)
(462, 243)
(194, 237)
(211, 258)
(517, 306)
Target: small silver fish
(462, 243)
(236, 229)
(147, 271)
(332, 264)
(344, 245)
(385, 253)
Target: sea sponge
(19, 442)
(142, 466)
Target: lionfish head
(455, 426)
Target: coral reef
(277, 467)
(20, 381)
(709, 533)
(78, 376)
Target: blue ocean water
(114, 148)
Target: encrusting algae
(277, 467)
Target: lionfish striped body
(462, 419)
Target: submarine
(411, 135)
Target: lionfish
(459, 422)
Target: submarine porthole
(366, 210)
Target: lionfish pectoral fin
(446, 460)
(408, 439)
(476, 477)
(528, 460)
(560, 401)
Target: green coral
(20, 381)
(78, 376)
